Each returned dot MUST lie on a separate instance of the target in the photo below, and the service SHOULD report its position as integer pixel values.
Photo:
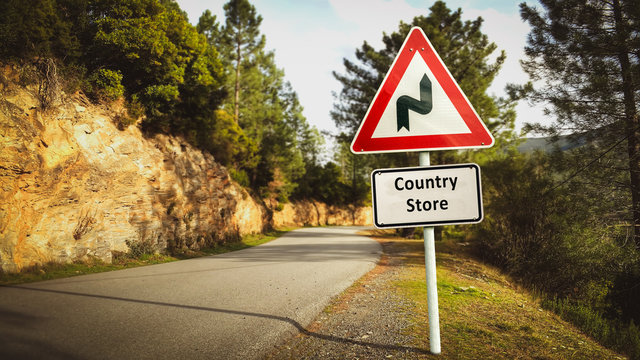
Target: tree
(463, 48)
(36, 29)
(586, 57)
(144, 50)
(263, 104)
(166, 66)
(241, 40)
(208, 26)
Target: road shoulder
(368, 320)
(483, 314)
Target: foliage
(326, 184)
(461, 45)
(214, 85)
(262, 111)
(144, 50)
(141, 247)
(229, 143)
(556, 242)
(241, 41)
(585, 58)
(464, 49)
(240, 177)
(108, 82)
(166, 65)
(582, 58)
(623, 337)
(561, 242)
(37, 28)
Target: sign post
(432, 282)
(420, 107)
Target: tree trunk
(236, 94)
(632, 128)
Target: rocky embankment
(73, 186)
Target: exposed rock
(73, 186)
(313, 213)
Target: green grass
(483, 314)
(614, 333)
(54, 270)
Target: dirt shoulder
(482, 314)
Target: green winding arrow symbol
(422, 106)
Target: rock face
(73, 186)
(305, 213)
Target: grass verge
(483, 314)
(54, 270)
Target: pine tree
(240, 39)
(36, 29)
(586, 55)
(466, 52)
(461, 45)
(261, 102)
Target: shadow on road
(12, 319)
(290, 321)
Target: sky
(311, 38)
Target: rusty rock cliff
(73, 186)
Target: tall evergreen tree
(261, 102)
(586, 55)
(463, 48)
(241, 39)
(39, 28)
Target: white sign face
(444, 119)
(426, 196)
(419, 107)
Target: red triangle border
(418, 41)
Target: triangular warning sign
(419, 107)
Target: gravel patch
(368, 321)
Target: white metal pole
(432, 284)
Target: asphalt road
(231, 306)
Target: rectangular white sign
(426, 196)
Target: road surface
(232, 306)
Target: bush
(141, 247)
(230, 145)
(557, 241)
(240, 176)
(547, 238)
(623, 337)
(106, 84)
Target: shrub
(141, 247)
(106, 84)
(240, 176)
(557, 241)
(623, 337)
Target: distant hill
(547, 144)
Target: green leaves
(465, 50)
(215, 85)
(107, 83)
(264, 108)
